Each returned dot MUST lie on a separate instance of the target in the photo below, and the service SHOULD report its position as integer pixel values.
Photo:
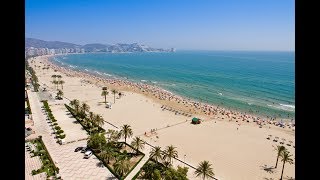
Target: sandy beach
(235, 143)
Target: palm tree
(59, 94)
(55, 83)
(122, 167)
(61, 82)
(126, 132)
(105, 93)
(285, 157)
(74, 102)
(85, 107)
(170, 153)
(156, 154)
(99, 120)
(107, 153)
(59, 77)
(91, 116)
(205, 170)
(138, 144)
(54, 77)
(114, 92)
(279, 150)
(104, 88)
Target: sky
(181, 24)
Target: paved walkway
(72, 165)
(68, 124)
(33, 163)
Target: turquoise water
(257, 82)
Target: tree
(107, 153)
(156, 154)
(85, 107)
(126, 132)
(76, 105)
(59, 94)
(96, 140)
(120, 94)
(285, 157)
(279, 150)
(74, 102)
(170, 153)
(113, 135)
(205, 170)
(98, 120)
(114, 92)
(171, 173)
(138, 144)
(121, 167)
(91, 116)
(55, 83)
(104, 88)
(54, 77)
(105, 93)
(59, 77)
(61, 82)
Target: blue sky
(182, 24)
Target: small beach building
(195, 120)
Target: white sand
(235, 154)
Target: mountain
(37, 43)
(96, 47)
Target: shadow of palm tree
(100, 164)
(268, 169)
(75, 122)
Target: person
(237, 128)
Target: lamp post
(184, 160)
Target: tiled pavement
(33, 163)
(72, 165)
(68, 124)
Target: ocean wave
(143, 80)
(154, 82)
(220, 93)
(98, 72)
(86, 70)
(107, 74)
(288, 105)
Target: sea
(255, 82)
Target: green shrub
(62, 136)
(33, 172)
(60, 131)
(55, 124)
(57, 128)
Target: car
(84, 149)
(88, 154)
(78, 149)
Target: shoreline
(204, 105)
(169, 99)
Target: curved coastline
(206, 109)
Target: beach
(235, 143)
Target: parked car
(88, 154)
(84, 149)
(78, 149)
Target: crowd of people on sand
(161, 94)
